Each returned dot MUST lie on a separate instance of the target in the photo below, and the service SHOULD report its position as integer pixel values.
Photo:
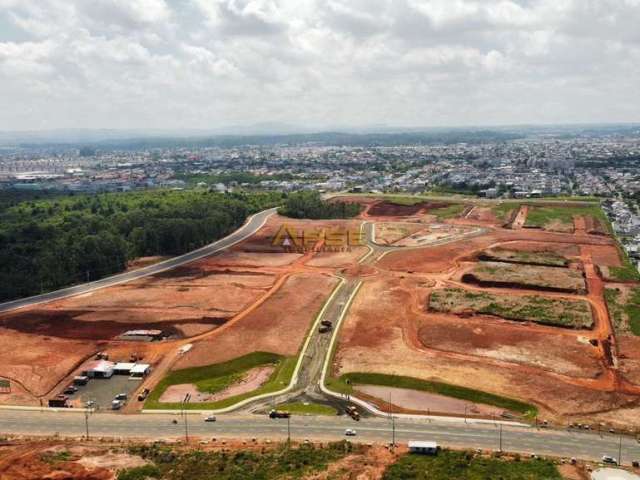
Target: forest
(60, 240)
(309, 204)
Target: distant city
(502, 163)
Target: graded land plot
(562, 218)
(532, 308)
(566, 354)
(434, 233)
(629, 357)
(264, 240)
(278, 325)
(388, 233)
(413, 207)
(623, 303)
(37, 362)
(530, 257)
(501, 274)
(484, 215)
(505, 212)
(340, 259)
(380, 335)
(602, 255)
(178, 302)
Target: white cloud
(207, 63)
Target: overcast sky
(315, 63)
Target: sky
(206, 64)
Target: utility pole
(187, 397)
(620, 451)
(501, 438)
(393, 431)
(288, 430)
(465, 412)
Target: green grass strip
(217, 377)
(307, 409)
(345, 383)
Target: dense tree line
(310, 205)
(50, 243)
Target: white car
(349, 432)
(609, 460)
(210, 418)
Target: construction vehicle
(353, 412)
(143, 394)
(279, 414)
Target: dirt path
(520, 218)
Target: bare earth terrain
(569, 374)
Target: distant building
(99, 369)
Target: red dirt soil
(279, 325)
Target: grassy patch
(345, 383)
(404, 200)
(144, 472)
(450, 211)
(503, 274)
(448, 465)
(625, 273)
(281, 462)
(503, 211)
(546, 311)
(214, 378)
(542, 258)
(307, 408)
(625, 314)
(541, 216)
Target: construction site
(442, 308)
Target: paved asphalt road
(249, 228)
(526, 440)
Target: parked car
(350, 432)
(90, 403)
(210, 418)
(609, 460)
(116, 405)
(70, 390)
(121, 396)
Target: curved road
(251, 226)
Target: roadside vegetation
(624, 309)
(216, 378)
(54, 242)
(300, 408)
(450, 211)
(280, 462)
(448, 465)
(309, 204)
(547, 311)
(345, 384)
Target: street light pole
(620, 451)
(501, 438)
(187, 397)
(288, 430)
